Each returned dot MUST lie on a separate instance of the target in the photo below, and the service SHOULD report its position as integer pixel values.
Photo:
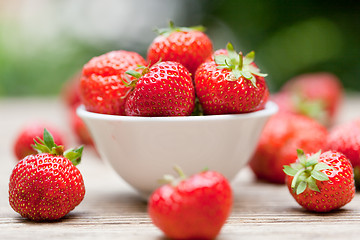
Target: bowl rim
(270, 109)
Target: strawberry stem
(170, 179)
(180, 172)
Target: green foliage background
(289, 38)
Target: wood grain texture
(112, 210)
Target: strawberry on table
(188, 46)
(282, 135)
(317, 95)
(230, 84)
(29, 132)
(321, 182)
(192, 208)
(164, 89)
(47, 186)
(345, 138)
(102, 87)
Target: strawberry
(317, 95)
(188, 46)
(282, 135)
(345, 138)
(321, 182)
(102, 88)
(230, 84)
(47, 186)
(71, 97)
(164, 89)
(70, 92)
(80, 129)
(264, 99)
(29, 132)
(192, 208)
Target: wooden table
(112, 210)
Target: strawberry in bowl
(189, 46)
(230, 83)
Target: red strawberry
(26, 136)
(218, 52)
(165, 89)
(321, 182)
(317, 95)
(70, 92)
(230, 84)
(79, 128)
(102, 88)
(345, 138)
(47, 186)
(188, 46)
(282, 135)
(264, 99)
(71, 97)
(193, 208)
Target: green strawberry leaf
(311, 162)
(301, 187)
(289, 170)
(249, 58)
(232, 53)
(74, 155)
(48, 139)
(133, 73)
(319, 175)
(312, 184)
(247, 75)
(322, 166)
(40, 146)
(301, 156)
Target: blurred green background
(44, 43)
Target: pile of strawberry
(181, 76)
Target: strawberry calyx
(314, 108)
(240, 66)
(136, 75)
(47, 145)
(172, 28)
(172, 180)
(132, 83)
(306, 172)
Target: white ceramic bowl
(142, 149)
